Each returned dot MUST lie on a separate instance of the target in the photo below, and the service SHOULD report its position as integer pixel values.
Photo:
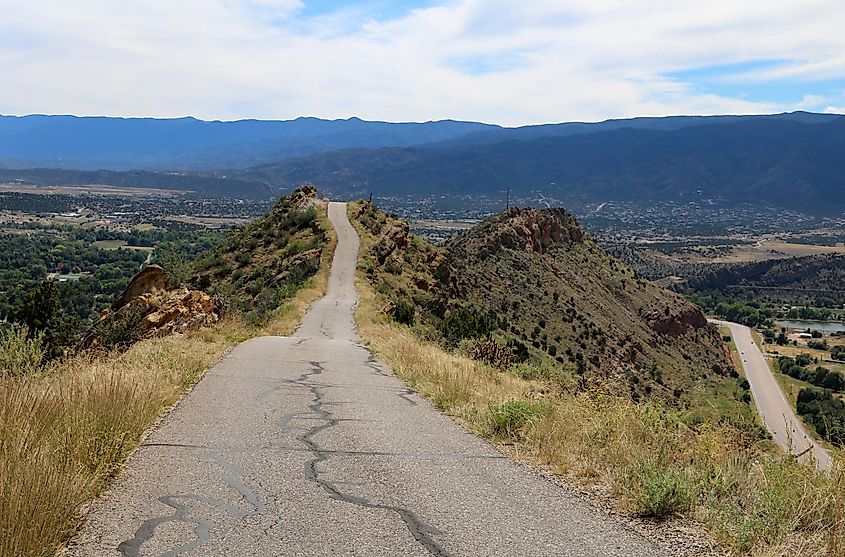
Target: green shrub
(657, 489)
(20, 353)
(467, 322)
(118, 331)
(403, 312)
(509, 419)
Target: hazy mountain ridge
(787, 160)
(94, 143)
(772, 160)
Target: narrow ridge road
(308, 446)
(777, 414)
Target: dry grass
(67, 430)
(753, 502)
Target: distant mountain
(795, 161)
(790, 160)
(103, 143)
(662, 123)
(94, 143)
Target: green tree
(41, 312)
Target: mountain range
(792, 160)
(103, 143)
(782, 162)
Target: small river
(826, 326)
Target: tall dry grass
(754, 502)
(67, 429)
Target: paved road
(777, 414)
(308, 446)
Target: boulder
(150, 279)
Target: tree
(41, 312)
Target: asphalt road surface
(308, 446)
(776, 412)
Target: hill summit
(533, 283)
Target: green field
(109, 244)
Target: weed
(658, 489)
(511, 418)
(20, 353)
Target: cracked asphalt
(308, 446)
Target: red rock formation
(678, 323)
(536, 230)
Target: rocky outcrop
(536, 229)
(151, 278)
(303, 197)
(148, 309)
(678, 321)
(176, 311)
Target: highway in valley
(777, 414)
(308, 446)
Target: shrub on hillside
(509, 419)
(403, 312)
(824, 412)
(20, 353)
(118, 331)
(492, 353)
(659, 490)
(467, 322)
(41, 313)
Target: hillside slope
(530, 285)
(259, 266)
(816, 280)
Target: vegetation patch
(260, 266)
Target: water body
(825, 326)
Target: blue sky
(505, 61)
(380, 9)
(741, 80)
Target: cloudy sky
(502, 61)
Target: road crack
(182, 513)
(419, 530)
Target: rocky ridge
(553, 294)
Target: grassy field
(752, 501)
(761, 250)
(109, 244)
(792, 351)
(67, 430)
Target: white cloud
(584, 60)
